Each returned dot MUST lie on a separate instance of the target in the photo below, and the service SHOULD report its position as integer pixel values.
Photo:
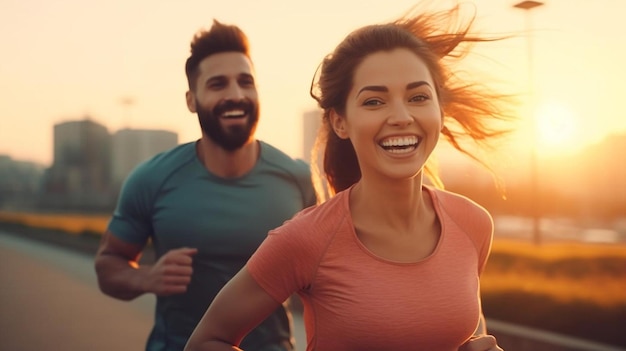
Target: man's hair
(220, 38)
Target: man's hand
(171, 274)
(481, 343)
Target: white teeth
(234, 113)
(399, 142)
(400, 145)
(401, 151)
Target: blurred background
(89, 90)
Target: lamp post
(534, 179)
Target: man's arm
(120, 275)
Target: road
(49, 300)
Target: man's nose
(234, 92)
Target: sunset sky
(65, 59)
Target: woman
(388, 262)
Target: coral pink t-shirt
(355, 300)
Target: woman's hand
(481, 343)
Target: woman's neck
(400, 205)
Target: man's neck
(227, 164)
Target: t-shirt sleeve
(474, 220)
(480, 228)
(131, 220)
(285, 262)
(487, 240)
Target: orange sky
(64, 59)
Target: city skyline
(90, 165)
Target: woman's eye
(372, 102)
(419, 98)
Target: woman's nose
(400, 115)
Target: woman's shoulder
(454, 200)
(460, 208)
(300, 242)
(319, 219)
(458, 212)
(315, 226)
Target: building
(80, 171)
(20, 183)
(90, 164)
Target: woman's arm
(239, 307)
(482, 326)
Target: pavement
(49, 299)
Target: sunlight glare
(557, 127)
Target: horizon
(447, 155)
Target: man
(204, 205)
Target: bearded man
(205, 205)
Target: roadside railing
(513, 337)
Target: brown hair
(220, 38)
(467, 108)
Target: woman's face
(392, 117)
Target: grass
(552, 251)
(70, 223)
(577, 289)
(564, 272)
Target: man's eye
(246, 82)
(216, 85)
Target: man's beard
(233, 137)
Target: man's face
(226, 99)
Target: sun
(557, 128)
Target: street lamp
(534, 179)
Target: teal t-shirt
(173, 200)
